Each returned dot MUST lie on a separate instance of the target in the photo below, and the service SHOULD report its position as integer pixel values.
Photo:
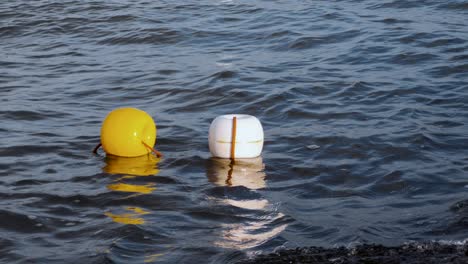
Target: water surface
(364, 106)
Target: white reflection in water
(248, 173)
(244, 172)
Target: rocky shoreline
(412, 253)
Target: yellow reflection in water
(152, 257)
(124, 187)
(138, 166)
(131, 168)
(130, 217)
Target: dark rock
(412, 253)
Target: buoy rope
(96, 148)
(229, 176)
(157, 153)
(233, 139)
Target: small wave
(400, 4)
(455, 5)
(22, 223)
(10, 31)
(446, 71)
(392, 21)
(310, 42)
(411, 58)
(27, 115)
(158, 36)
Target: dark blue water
(364, 106)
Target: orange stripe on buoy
(233, 138)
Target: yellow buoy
(128, 132)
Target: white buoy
(236, 137)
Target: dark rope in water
(96, 148)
